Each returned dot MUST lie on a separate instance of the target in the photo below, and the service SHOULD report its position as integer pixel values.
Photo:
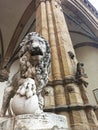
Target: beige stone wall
(89, 56)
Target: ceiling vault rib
(84, 34)
(92, 44)
(77, 23)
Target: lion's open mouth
(36, 51)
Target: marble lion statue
(34, 60)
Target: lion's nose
(35, 44)
(36, 48)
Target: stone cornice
(63, 81)
(71, 107)
(90, 7)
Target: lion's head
(35, 44)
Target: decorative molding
(90, 7)
(55, 82)
(64, 81)
(70, 107)
(69, 80)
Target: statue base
(44, 121)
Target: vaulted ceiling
(82, 21)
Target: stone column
(68, 96)
(56, 72)
(58, 88)
(64, 46)
(41, 18)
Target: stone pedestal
(44, 121)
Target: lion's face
(37, 47)
(34, 44)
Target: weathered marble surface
(25, 100)
(44, 121)
(34, 59)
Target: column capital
(38, 2)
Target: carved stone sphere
(22, 105)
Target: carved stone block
(44, 121)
